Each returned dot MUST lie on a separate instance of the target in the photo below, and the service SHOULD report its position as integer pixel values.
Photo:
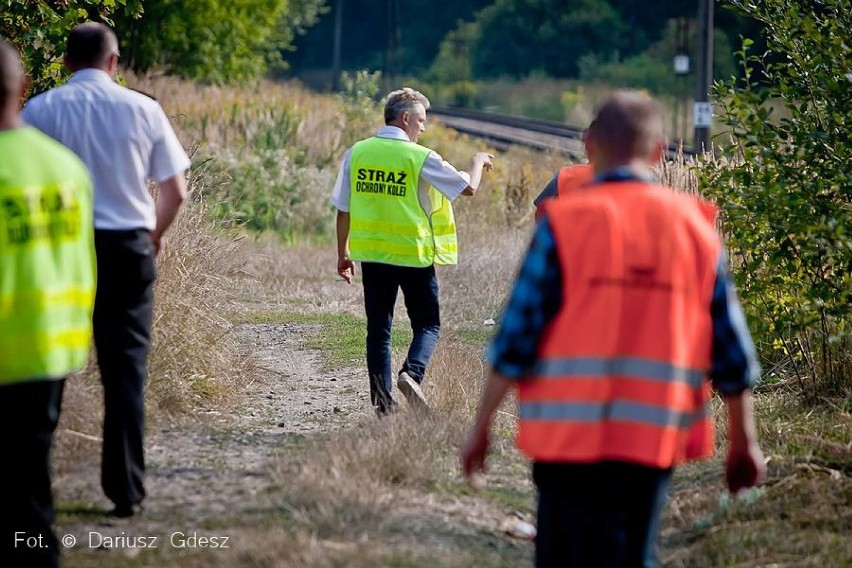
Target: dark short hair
(628, 124)
(89, 44)
(11, 72)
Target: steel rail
(481, 125)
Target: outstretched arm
(481, 161)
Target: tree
(652, 69)
(38, 30)
(785, 185)
(214, 40)
(520, 36)
(421, 24)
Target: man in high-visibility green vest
(394, 216)
(47, 286)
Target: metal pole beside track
(701, 117)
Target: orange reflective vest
(569, 179)
(621, 371)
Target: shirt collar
(624, 173)
(90, 75)
(394, 132)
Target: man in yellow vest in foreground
(47, 286)
(623, 307)
(394, 215)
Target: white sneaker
(412, 392)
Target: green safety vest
(390, 221)
(47, 258)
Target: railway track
(503, 131)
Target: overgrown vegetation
(38, 29)
(786, 191)
(212, 40)
(388, 493)
(207, 40)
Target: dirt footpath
(208, 475)
(218, 465)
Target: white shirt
(435, 172)
(122, 136)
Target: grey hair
(403, 100)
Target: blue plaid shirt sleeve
(534, 301)
(734, 366)
(550, 190)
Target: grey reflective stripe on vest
(612, 411)
(619, 367)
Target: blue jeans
(420, 293)
(602, 514)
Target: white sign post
(681, 64)
(702, 115)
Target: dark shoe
(412, 392)
(126, 511)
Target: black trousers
(603, 514)
(28, 416)
(124, 305)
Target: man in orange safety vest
(622, 310)
(568, 179)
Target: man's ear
(26, 83)
(406, 118)
(589, 143)
(113, 63)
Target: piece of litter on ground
(744, 498)
(518, 528)
(489, 321)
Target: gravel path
(218, 475)
(204, 471)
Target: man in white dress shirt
(125, 140)
(394, 215)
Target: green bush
(212, 40)
(38, 29)
(785, 186)
(266, 190)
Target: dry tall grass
(194, 361)
(388, 493)
(375, 468)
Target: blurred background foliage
(37, 28)
(265, 156)
(466, 44)
(781, 174)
